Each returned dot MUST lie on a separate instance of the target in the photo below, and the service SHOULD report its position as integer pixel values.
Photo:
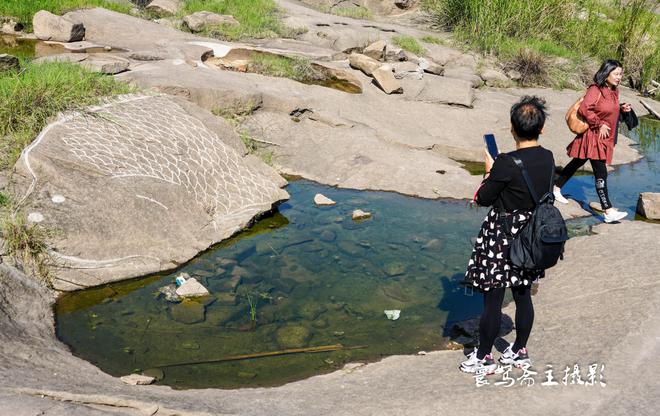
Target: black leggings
(489, 325)
(600, 172)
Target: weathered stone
(394, 54)
(648, 205)
(165, 7)
(495, 78)
(363, 63)
(439, 90)
(191, 288)
(293, 336)
(9, 26)
(9, 62)
(395, 269)
(169, 292)
(146, 56)
(320, 199)
(465, 74)
(431, 67)
(376, 50)
(407, 69)
(386, 81)
(106, 64)
(137, 380)
(328, 236)
(358, 214)
(198, 21)
(63, 57)
(48, 26)
(595, 206)
(188, 312)
(433, 245)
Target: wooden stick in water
(324, 348)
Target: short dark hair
(608, 66)
(528, 117)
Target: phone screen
(491, 144)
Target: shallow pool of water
(303, 277)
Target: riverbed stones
(9, 63)
(465, 74)
(199, 21)
(191, 288)
(293, 336)
(385, 79)
(48, 26)
(165, 7)
(137, 380)
(364, 63)
(358, 214)
(169, 293)
(495, 78)
(376, 50)
(322, 200)
(648, 205)
(188, 312)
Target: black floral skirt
(489, 266)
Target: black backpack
(540, 244)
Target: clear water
(314, 277)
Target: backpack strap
(528, 181)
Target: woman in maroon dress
(601, 109)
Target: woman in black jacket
(489, 269)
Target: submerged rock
(293, 336)
(188, 312)
(9, 62)
(169, 293)
(358, 214)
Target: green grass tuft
(257, 18)
(24, 10)
(29, 98)
(356, 12)
(410, 44)
(296, 68)
(434, 40)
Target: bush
(574, 29)
(26, 243)
(532, 66)
(30, 97)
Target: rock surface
(137, 380)
(106, 64)
(48, 26)
(384, 78)
(610, 323)
(165, 7)
(364, 63)
(648, 205)
(148, 184)
(358, 214)
(198, 21)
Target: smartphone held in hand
(491, 145)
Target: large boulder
(165, 7)
(376, 50)
(648, 205)
(48, 26)
(143, 183)
(198, 21)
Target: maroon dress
(600, 106)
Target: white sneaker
(518, 359)
(614, 216)
(474, 365)
(556, 191)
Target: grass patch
(24, 10)
(257, 18)
(355, 12)
(236, 112)
(410, 44)
(577, 30)
(30, 97)
(254, 147)
(25, 243)
(434, 40)
(296, 68)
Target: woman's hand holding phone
(488, 161)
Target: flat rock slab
(648, 205)
(439, 90)
(147, 181)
